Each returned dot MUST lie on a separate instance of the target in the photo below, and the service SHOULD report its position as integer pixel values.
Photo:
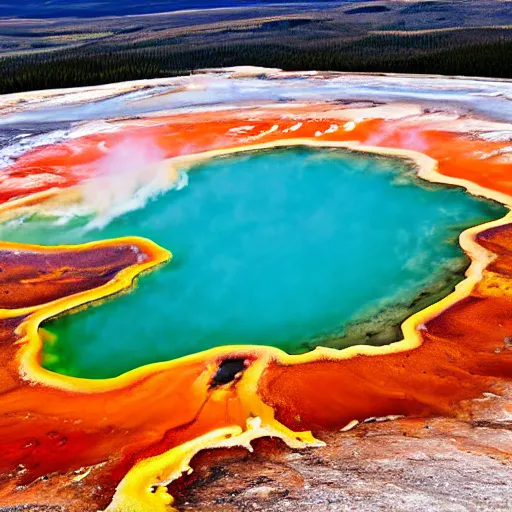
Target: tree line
(423, 54)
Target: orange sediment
(72, 442)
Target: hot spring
(293, 248)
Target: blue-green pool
(292, 248)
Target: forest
(476, 52)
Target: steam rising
(129, 176)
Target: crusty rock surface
(437, 464)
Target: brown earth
(434, 464)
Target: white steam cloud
(129, 176)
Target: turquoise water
(285, 248)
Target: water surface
(292, 248)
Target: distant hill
(96, 8)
